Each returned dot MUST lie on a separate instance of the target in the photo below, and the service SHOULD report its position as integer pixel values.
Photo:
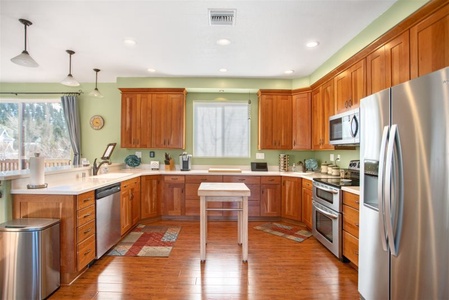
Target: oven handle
(326, 190)
(332, 216)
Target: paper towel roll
(37, 170)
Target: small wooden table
(224, 192)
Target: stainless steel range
(328, 209)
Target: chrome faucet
(96, 168)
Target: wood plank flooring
(277, 268)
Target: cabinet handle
(357, 201)
(87, 252)
(271, 180)
(350, 102)
(86, 200)
(174, 179)
(356, 224)
(86, 216)
(87, 231)
(241, 179)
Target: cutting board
(224, 170)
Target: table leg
(203, 228)
(245, 229)
(239, 222)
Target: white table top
(223, 189)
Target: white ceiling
(175, 38)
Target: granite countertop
(89, 183)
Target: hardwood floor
(277, 268)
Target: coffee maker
(185, 161)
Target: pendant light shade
(69, 80)
(24, 58)
(96, 92)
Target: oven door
(326, 228)
(327, 195)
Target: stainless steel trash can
(29, 258)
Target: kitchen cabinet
(77, 230)
(291, 198)
(150, 191)
(129, 204)
(302, 121)
(135, 124)
(270, 200)
(173, 203)
(253, 183)
(153, 118)
(389, 65)
(192, 200)
(275, 119)
(323, 106)
(168, 120)
(429, 40)
(307, 188)
(351, 227)
(350, 87)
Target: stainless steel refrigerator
(404, 216)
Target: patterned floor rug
(296, 233)
(147, 240)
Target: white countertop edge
(351, 189)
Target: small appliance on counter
(185, 161)
(259, 166)
(154, 165)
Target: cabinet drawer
(270, 179)
(243, 179)
(86, 215)
(134, 182)
(351, 220)
(174, 179)
(85, 231)
(85, 199)
(351, 248)
(204, 178)
(85, 252)
(307, 184)
(351, 199)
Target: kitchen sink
(111, 175)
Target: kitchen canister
(336, 171)
(330, 168)
(324, 167)
(344, 173)
(283, 162)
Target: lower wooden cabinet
(351, 227)
(270, 201)
(173, 203)
(253, 183)
(192, 200)
(291, 198)
(129, 204)
(150, 192)
(307, 208)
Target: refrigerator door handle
(380, 188)
(393, 203)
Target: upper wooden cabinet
(429, 40)
(153, 118)
(275, 119)
(389, 65)
(350, 87)
(302, 121)
(323, 106)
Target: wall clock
(97, 122)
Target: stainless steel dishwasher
(107, 218)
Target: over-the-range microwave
(344, 128)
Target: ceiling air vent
(222, 17)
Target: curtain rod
(41, 93)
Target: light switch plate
(139, 154)
(260, 155)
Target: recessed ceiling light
(312, 44)
(129, 42)
(289, 71)
(151, 70)
(223, 70)
(223, 42)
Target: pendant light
(24, 58)
(69, 80)
(96, 92)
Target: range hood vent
(222, 17)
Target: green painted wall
(94, 142)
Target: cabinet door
(149, 196)
(328, 105)
(302, 121)
(350, 87)
(135, 202)
(270, 201)
(389, 65)
(173, 204)
(428, 44)
(317, 116)
(266, 131)
(135, 123)
(307, 206)
(125, 210)
(291, 198)
(168, 117)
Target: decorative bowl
(132, 161)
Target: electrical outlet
(152, 154)
(260, 155)
(139, 154)
(331, 157)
